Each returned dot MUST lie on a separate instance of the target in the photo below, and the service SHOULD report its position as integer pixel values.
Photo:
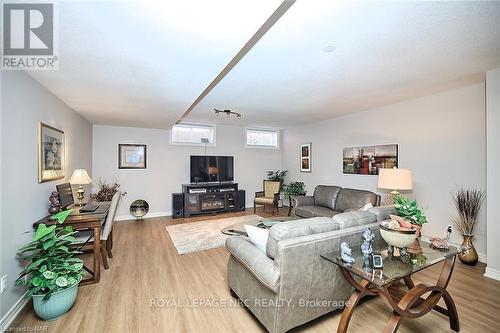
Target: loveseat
(330, 200)
(290, 284)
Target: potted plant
(410, 211)
(468, 203)
(106, 191)
(53, 271)
(278, 175)
(294, 189)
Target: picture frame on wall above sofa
(50, 153)
(132, 156)
(368, 160)
(305, 157)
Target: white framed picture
(305, 157)
(131, 156)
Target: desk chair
(85, 238)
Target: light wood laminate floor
(151, 288)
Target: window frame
(263, 129)
(188, 143)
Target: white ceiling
(143, 64)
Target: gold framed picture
(50, 153)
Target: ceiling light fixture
(227, 113)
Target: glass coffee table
(412, 301)
(238, 229)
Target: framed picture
(369, 160)
(131, 156)
(305, 157)
(50, 153)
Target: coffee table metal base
(404, 303)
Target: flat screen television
(205, 169)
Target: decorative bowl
(398, 238)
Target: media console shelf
(205, 198)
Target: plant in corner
(468, 203)
(277, 175)
(53, 271)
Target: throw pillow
(258, 236)
(366, 207)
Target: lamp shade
(395, 179)
(80, 177)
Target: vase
(57, 305)
(469, 255)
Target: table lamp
(395, 180)
(80, 177)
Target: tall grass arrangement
(468, 203)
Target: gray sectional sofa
(290, 284)
(330, 200)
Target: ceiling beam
(278, 13)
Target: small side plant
(294, 189)
(409, 210)
(53, 265)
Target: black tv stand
(210, 198)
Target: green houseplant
(294, 189)
(468, 204)
(409, 210)
(278, 175)
(53, 271)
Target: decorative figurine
(368, 238)
(441, 243)
(55, 206)
(346, 253)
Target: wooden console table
(404, 302)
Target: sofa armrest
(303, 201)
(256, 261)
(383, 212)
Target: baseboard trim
(482, 257)
(14, 311)
(157, 214)
(492, 273)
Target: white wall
(24, 201)
(441, 137)
(493, 199)
(168, 165)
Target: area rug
(204, 235)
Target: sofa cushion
(326, 196)
(354, 219)
(349, 198)
(292, 229)
(314, 211)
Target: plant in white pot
(53, 272)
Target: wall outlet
(3, 284)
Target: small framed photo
(131, 156)
(50, 153)
(305, 157)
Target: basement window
(262, 138)
(193, 134)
